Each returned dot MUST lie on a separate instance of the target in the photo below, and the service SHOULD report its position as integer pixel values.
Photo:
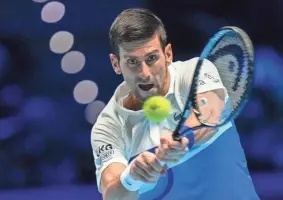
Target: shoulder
(183, 73)
(189, 65)
(184, 70)
(180, 66)
(111, 113)
(107, 122)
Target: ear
(115, 63)
(168, 54)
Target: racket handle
(185, 132)
(177, 136)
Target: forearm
(212, 111)
(116, 191)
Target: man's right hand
(147, 168)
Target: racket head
(230, 50)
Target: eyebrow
(149, 53)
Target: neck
(132, 102)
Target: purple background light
(53, 87)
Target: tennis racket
(231, 52)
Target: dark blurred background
(55, 78)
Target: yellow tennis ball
(156, 108)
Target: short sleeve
(107, 143)
(209, 76)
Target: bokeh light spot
(52, 12)
(85, 91)
(73, 62)
(61, 42)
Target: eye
(152, 58)
(132, 61)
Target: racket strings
(232, 58)
(231, 52)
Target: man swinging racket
(213, 166)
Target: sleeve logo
(104, 152)
(103, 149)
(201, 82)
(209, 76)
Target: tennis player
(214, 167)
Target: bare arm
(216, 96)
(111, 186)
(145, 168)
(220, 93)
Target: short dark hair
(136, 24)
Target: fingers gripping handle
(185, 131)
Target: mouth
(146, 87)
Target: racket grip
(185, 132)
(177, 136)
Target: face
(143, 65)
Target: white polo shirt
(120, 134)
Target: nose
(145, 71)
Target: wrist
(128, 181)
